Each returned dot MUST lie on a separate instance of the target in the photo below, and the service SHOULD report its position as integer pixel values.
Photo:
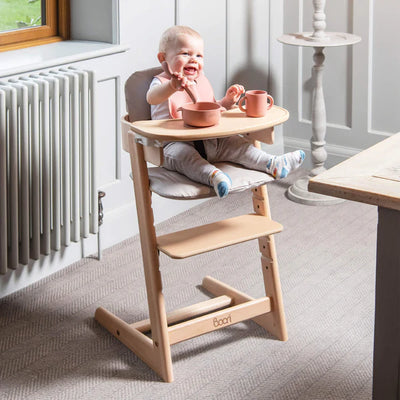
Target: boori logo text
(222, 321)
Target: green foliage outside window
(19, 14)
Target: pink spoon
(166, 69)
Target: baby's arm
(159, 93)
(232, 96)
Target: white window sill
(50, 55)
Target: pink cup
(258, 102)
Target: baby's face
(186, 56)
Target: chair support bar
(189, 312)
(217, 320)
(233, 306)
(218, 288)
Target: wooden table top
(371, 176)
(232, 122)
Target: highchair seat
(174, 185)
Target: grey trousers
(185, 159)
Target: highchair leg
(274, 322)
(155, 298)
(156, 352)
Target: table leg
(387, 307)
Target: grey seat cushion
(174, 185)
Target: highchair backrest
(138, 109)
(136, 88)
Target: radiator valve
(101, 194)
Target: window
(25, 23)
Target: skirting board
(336, 153)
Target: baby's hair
(170, 35)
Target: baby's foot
(221, 183)
(280, 166)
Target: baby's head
(183, 48)
(173, 35)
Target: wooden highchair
(151, 339)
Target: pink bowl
(201, 114)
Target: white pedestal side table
(319, 39)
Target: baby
(183, 49)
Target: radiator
(48, 194)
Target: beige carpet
(51, 347)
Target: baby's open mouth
(190, 70)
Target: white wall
(240, 47)
(361, 82)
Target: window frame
(57, 28)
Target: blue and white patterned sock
(280, 166)
(221, 183)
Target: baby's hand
(234, 92)
(179, 81)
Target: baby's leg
(185, 159)
(238, 150)
(280, 166)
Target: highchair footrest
(204, 238)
